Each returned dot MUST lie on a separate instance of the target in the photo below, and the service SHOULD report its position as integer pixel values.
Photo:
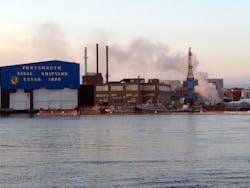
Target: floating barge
(57, 112)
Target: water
(125, 151)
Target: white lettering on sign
(32, 79)
(39, 67)
(53, 73)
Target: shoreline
(75, 113)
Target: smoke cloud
(151, 60)
(205, 89)
(50, 42)
(45, 42)
(155, 60)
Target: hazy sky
(217, 30)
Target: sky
(217, 30)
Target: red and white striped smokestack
(107, 64)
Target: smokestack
(107, 64)
(97, 64)
(85, 60)
(97, 59)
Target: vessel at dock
(152, 107)
(56, 112)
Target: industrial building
(218, 83)
(245, 93)
(41, 85)
(131, 92)
(128, 92)
(236, 94)
(92, 79)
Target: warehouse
(42, 85)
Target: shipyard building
(41, 85)
(129, 92)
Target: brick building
(132, 92)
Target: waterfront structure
(92, 79)
(56, 85)
(240, 105)
(218, 83)
(117, 94)
(41, 85)
(245, 93)
(0, 95)
(190, 82)
(236, 93)
(132, 92)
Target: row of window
(132, 88)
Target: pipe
(85, 60)
(107, 64)
(97, 60)
(97, 64)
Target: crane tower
(190, 82)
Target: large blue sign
(49, 74)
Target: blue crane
(191, 82)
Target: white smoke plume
(46, 41)
(205, 89)
(147, 59)
(155, 60)
(50, 42)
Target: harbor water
(125, 151)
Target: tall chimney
(107, 64)
(97, 64)
(85, 60)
